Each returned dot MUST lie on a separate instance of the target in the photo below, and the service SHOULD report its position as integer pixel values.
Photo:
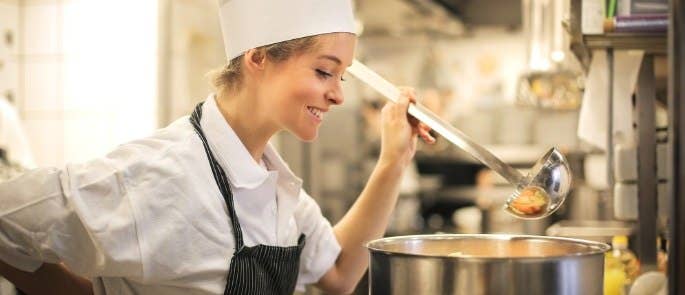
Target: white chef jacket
(148, 218)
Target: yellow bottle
(621, 267)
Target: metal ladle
(550, 173)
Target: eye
(323, 74)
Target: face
(303, 88)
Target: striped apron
(260, 269)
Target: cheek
(305, 92)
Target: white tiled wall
(41, 82)
(46, 138)
(40, 63)
(196, 47)
(88, 79)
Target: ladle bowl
(550, 173)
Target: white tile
(41, 85)
(85, 137)
(131, 124)
(179, 99)
(9, 26)
(54, 115)
(78, 26)
(41, 29)
(83, 84)
(625, 163)
(625, 201)
(194, 22)
(94, 134)
(9, 78)
(19, 92)
(179, 28)
(38, 2)
(46, 138)
(108, 28)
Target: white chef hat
(248, 24)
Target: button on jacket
(148, 217)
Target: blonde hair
(231, 76)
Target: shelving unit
(653, 45)
(582, 45)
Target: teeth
(315, 112)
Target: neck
(243, 113)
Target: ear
(255, 60)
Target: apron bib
(259, 269)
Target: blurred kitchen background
(81, 76)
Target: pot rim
(594, 248)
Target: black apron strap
(220, 178)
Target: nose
(335, 95)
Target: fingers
(401, 106)
(415, 123)
(422, 130)
(407, 97)
(424, 133)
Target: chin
(310, 138)
(307, 136)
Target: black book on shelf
(635, 7)
(648, 6)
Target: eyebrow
(333, 58)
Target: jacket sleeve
(321, 248)
(79, 216)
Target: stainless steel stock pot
(485, 264)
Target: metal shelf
(649, 42)
(595, 230)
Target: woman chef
(206, 205)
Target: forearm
(48, 279)
(367, 220)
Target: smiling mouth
(315, 112)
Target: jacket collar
(242, 170)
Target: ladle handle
(443, 128)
